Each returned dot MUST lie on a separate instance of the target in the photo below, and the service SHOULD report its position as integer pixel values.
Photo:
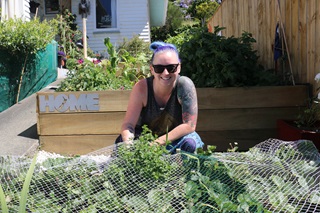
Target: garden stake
(285, 42)
(20, 81)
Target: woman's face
(166, 58)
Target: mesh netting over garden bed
(274, 176)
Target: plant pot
(288, 131)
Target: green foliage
(174, 20)
(88, 76)
(205, 11)
(208, 187)
(183, 35)
(68, 34)
(113, 55)
(309, 116)
(134, 46)
(24, 192)
(120, 71)
(195, 10)
(26, 186)
(26, 37)
(146, 159)
(144, 178)
(211, 60)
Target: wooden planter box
(288, 131)
(82, 122)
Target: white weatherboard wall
(132, 20)
(15, 9)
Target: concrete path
(18, 127)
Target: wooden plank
(75, 144)
(302, 75)
(236, 22)
(252, 97)
(113, 100)
(80, 123)
(230, 17)
(208, 98)
(311, 38)
(240, 119)
(208, 120)
(295, 37)
(316, 69)
(246, 139)
(84, 144)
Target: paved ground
(18, 126)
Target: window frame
(111, 29)
(52, 11)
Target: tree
(174, 21)
(202, 9)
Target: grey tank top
(158, 119)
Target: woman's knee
(188, 145)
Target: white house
(117, 19)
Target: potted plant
(306, 125)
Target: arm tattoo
(187, 96)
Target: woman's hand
(129, 142)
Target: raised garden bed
(82, 122)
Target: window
(106, 16)
(52, 6)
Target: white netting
(274, 176)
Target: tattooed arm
(187, 96)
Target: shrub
(120, 71)
(85, 75)
(134, 46)
(211, 60)
(174, 20)
(26, 37)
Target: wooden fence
(301, 23)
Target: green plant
(68, 34)
(174, 20)
(24, 192)
(85, 75)
(205, 10)
(309, 116)
(207, 187)
(120, 71)
(147, 159)
(211, 60)
(183, 35)
(134, 46)
(20, 38)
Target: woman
(164, 101)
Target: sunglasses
(171, 68)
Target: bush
(119, 72)
(134, 46)
(85, 75)
(174, 21)
(26, 37)
(211, 60)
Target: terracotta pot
(288, 131)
